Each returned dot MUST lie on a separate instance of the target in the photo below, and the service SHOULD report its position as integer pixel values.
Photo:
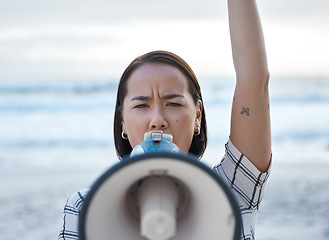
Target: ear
(123, 126)
(198, 115)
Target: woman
(159, 91)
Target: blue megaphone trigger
(155, 141)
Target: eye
(141, 106)
(173, 104)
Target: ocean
(57, 136)
(76, 116)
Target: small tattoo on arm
(245, 110)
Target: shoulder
(74, 203)
(241, 174)
(71, 216)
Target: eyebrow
(168, 96)
(141, 98)
(173, 95)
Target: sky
(71, 39)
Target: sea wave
(31, 111)
(30, 107)
(74, 87)
(57, 143)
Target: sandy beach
(32, 200)
(295, 205)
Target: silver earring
(124, 136)
(198, 132)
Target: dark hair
(199, 142)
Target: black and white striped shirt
(248, 184)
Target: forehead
(160, 76)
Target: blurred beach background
(60, 63)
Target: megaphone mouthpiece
(157, 136)
(155, 141)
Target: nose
(158, 121)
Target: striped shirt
(247, 182)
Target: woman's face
(158, 98)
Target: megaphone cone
(158, 196)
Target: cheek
(183, 135)
(135, 127)
(186, 120)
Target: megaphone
(158, 193)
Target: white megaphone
(158, 193)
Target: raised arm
(250, 120)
